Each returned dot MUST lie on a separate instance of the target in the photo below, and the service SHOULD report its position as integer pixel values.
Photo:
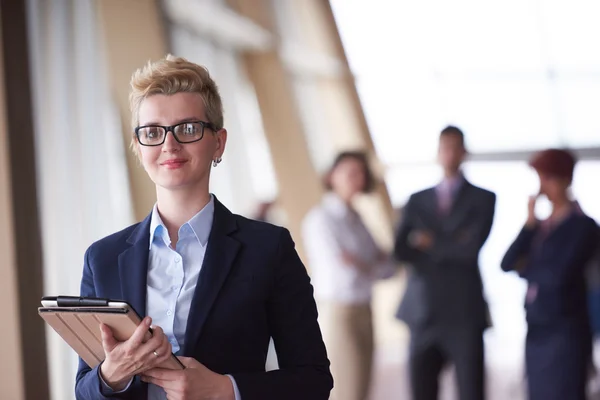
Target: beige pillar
(299, 185)
(346, 121)
(11, 374)
(349, 130)
(133, 33)
(23, 369)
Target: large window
(516, 74)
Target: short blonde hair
(172, 75)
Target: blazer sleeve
(87, 382)
(517, 255)
(463, 247)
(570, 262)
(292, 313)
(403, 251)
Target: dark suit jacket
(444, 286)
(559, 343)
(555, 264)
(252, 286)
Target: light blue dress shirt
(172, 277)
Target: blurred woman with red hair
(552, 255)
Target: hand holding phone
(531, 219)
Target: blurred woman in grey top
(344, 263)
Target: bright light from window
(514, 74)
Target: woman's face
(174, 165)
(552, 187)
(348, 178)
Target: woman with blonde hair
(215, 285)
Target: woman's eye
(152, 133)
(190, 129)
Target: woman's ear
(221, 137)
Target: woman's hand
(123, 360)
(195, 382)
(531, 219)
(355, 262)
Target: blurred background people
(552, 255)
(441, 233)
(345, 262)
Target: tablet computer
(77, 320)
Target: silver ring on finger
(156, 354)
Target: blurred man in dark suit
(441, 233)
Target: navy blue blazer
(558, 347)
(252, 286)
(554, 265)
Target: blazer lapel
(218, 260)
(133, 267)
(429, 218)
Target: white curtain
(81, 167)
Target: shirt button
(178, 259)
(174, 288)
(169, 313)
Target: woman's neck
(176, 207)
(561, 207)
(346, 199)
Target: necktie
(444, 198)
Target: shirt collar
(453, 184)
(199, 225)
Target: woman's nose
(170, 142)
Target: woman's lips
(173, 164)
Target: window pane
(580, 103)
(445, 35)
(402, 182)
(397, 134)
(585, 188)
(496, 36)
(515, 75)
(502, 114)
(572, 33)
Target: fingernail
(148, 321)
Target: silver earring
(216, 161)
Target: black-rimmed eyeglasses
(185, 132)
